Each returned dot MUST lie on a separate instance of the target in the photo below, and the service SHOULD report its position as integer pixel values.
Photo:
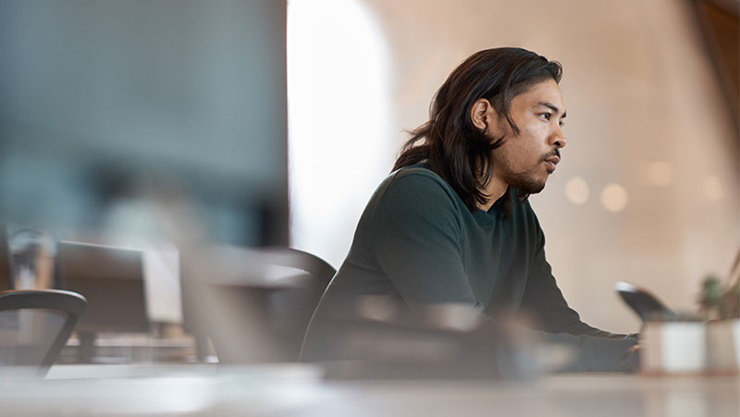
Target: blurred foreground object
(32, 259)
(673, 347)
(276, 288)
(646, 305)
(95, 95)
(378, 336)
(145, 121)
(298, 390)
(111, 279)
(35, 325)
(723, 334)
(723, 341)
(697, 345)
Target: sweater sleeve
(544, 301)
(596, 350)
(417, 241)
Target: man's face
(525, 161)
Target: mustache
(555, 152)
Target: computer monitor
(97, 97)
(111, 279)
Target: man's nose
(557, 139)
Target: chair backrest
(35, 325)
(280, 303)
(298, 259)
(290, 309)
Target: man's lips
(551, 162)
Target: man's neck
(494, 189)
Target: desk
(297, 390)
(129, 348)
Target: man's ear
(482, 114)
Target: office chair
(290, 309)
(35, 325)
(283, 307)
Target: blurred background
(276, 120)
(102, 100)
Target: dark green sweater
(417, 240)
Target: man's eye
(562, 123)
(546, 116)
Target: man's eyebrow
(553, 107)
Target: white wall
(645, 112)
(340, 127)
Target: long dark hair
(449, 143)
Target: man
(452, 223)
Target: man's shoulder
(416, 185)
(418, 172)
(418, 180)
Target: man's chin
(535, 189)
(529, 185)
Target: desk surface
(189, 390)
